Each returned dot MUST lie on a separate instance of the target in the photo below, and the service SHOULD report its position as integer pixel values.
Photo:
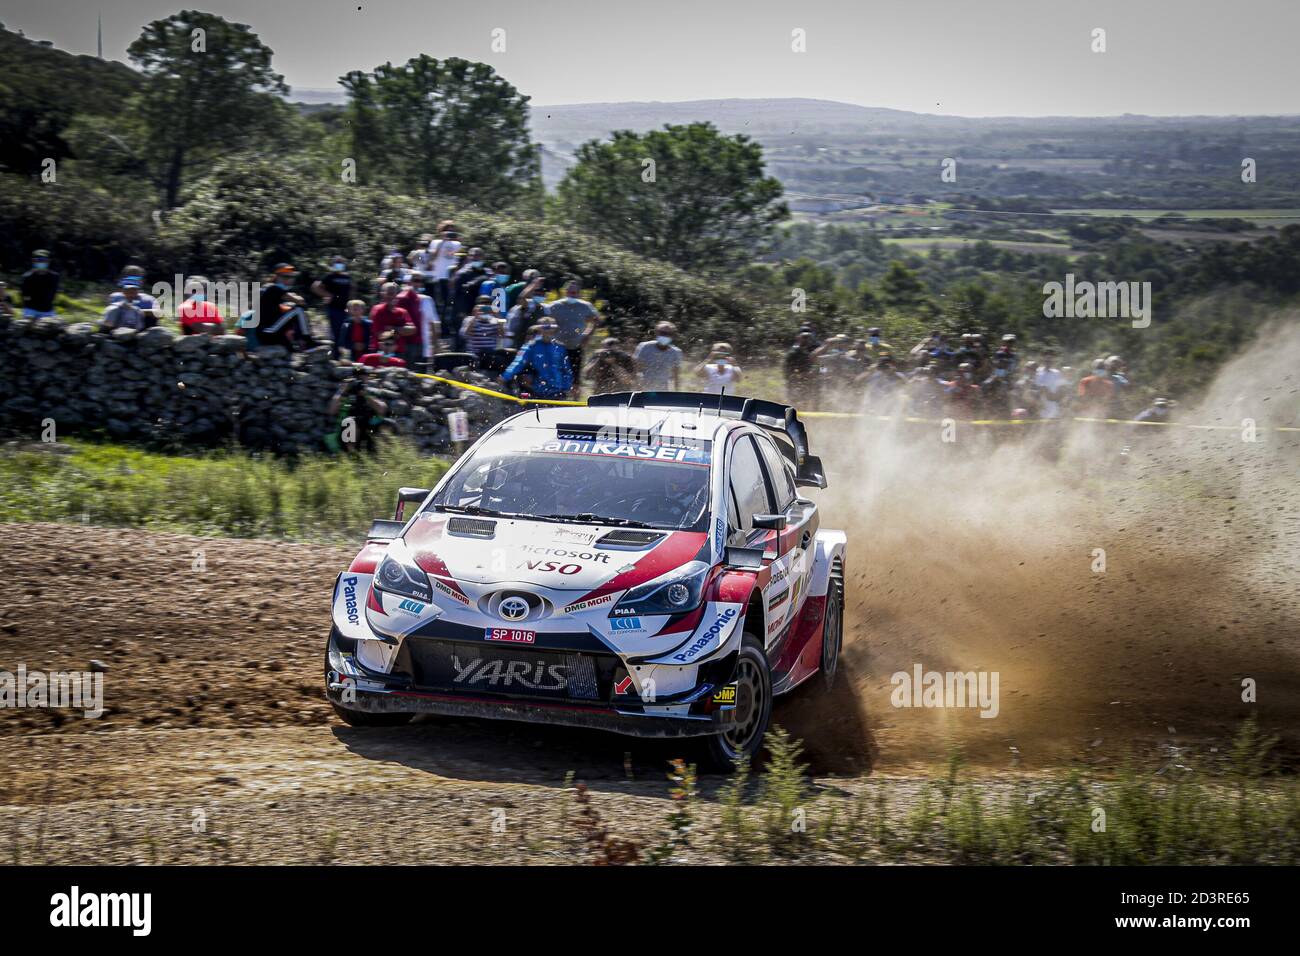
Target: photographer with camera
(356, 414)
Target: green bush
(222, 493)
(251, 214)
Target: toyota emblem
(514, 609)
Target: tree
(685, 194)
(209, 91)
(449, 127)
(900, 286)
(30, 134)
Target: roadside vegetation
(234, 493)
(1233, 812)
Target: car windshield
(634, 484)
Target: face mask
(502, 278)
(338, 266)
(41, 265)
(284, 283)
(664, 339)
(539, 299)
(875, 340)
(477, 263)
(197, 297)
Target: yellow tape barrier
(880, 418)
(494, 394)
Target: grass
(1233, 813)
(77, 302)
(319, 498)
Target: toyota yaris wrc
(645, 564)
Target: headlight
(397, 577)
(679, 590)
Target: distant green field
(925, 242)
(1149, 214)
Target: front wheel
(753, 711)
(833, 628)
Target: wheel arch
(829, 553)
(741, 587)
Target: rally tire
(833, 629)
(753, 678)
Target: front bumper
(692, 714)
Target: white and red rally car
(645, 564)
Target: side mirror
(405, 496)
(381, 530)
(769, 522)
(811, 473)
(745, 559)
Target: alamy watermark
(74, 908)
(923, 688)
(1098, 300)
(78, 690)
(230, 298)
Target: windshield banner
(635, 450)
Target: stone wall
(160, 387)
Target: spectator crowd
(960, 377)
(441, 305)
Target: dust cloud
(985, 553)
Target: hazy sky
(965, 57)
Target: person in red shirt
(388, 315)
(961, 391)
(196, 314)
(387, 356)
(1097, 392)
(355, 333)
(410, 344)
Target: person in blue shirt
(545, 361)
(494, 287)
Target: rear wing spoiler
(757, 411)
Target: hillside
(40, 73)
(833, 156)
(42, 88)
(763, 118)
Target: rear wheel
(833, 628)
(753, 711)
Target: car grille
(514, 671)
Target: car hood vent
(632, 540)
(471, 527)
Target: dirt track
(214, 699)
(973, 556)
(215, 707)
